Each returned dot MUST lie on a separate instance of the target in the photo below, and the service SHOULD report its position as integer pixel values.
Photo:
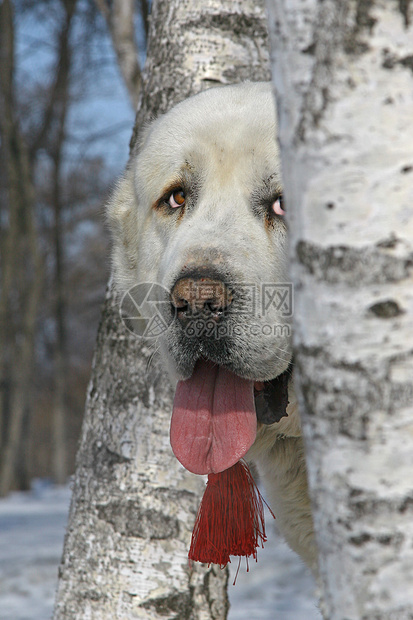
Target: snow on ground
(277, 587)
(32, 528)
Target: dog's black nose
(200, 296)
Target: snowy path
(32, 527)
(31, 539)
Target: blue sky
(101, 116)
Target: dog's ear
(121, 216)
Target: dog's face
(199, 212)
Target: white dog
(199, 211)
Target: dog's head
(199, 213)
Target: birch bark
(133, 505)
(343, 76)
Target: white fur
(221, 146)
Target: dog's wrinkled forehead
(213, 132)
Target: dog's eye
(278, 205)
(177, 198)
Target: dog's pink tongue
(213, 421)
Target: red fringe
(230, 519)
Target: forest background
(66, 115)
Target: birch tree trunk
(343, 75)
(133, 505)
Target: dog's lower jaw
(180, 358)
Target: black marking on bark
(344, 392)
(364, 503)
(401, 395)
(406, 505)
(386, 309)
(404, 8)
(208, 587)
(104, 460)
(360, 539)
(386, 540)
(355, 267)
(179, 603)
(91, 595)
(389, 243)
(407, 61)
(353, 42)
(324, 51)
(310, 49)
(131, 519)
(353, 46)
(406, 169)
(364, 20)
(390, 60)
(234, 23)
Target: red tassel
(230, 519)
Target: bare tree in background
(21, 263)
(51, 231)
(61, 104)
(120, 18)
(133, 506)
(343, 75)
